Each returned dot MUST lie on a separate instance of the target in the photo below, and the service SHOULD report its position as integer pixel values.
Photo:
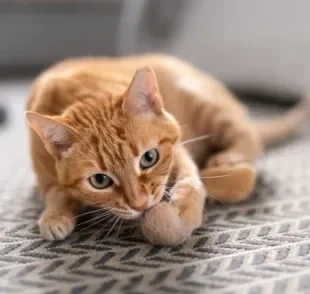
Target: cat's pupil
(148, 156)
(100, 178)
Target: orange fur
(90, 116)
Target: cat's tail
(285, 126)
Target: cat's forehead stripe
(82, 120)
(165, 140)
(111, 151)
(134, 149)
(100, 156)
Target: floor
(259, 246)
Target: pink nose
(139, 204)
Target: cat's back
(72, 80)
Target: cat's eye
(100, 181)
(149, 158)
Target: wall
(262, 43)
(34, 33)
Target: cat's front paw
(229, 184)
(188, 196)
(191, 217)
(55, 225)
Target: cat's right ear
(142, 97)
(56, 136)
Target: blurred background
(259, 48)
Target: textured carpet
(259, 246)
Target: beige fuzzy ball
(161, 225)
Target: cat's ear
(56, 137)
(142, 97)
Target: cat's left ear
(55, 135)
(142, 97)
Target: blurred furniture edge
(250, 45)
(36, 33)
(3, 115)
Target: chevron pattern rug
(259, 246)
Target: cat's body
(94, 110)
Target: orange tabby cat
(107, 132)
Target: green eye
(149, 158)
(100, 181)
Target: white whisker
(102, 228)
(119, 228)
(111, 229)
(89, 212)
(101, 219)
(195, 139)
(92, 219)
(214, 177)
(215, 198)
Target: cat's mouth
(153, 200)
(166, 196)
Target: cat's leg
(188, 193)
(230, 174)
(58, 219)
(235, 142)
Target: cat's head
(114, 152)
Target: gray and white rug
(259, 246)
